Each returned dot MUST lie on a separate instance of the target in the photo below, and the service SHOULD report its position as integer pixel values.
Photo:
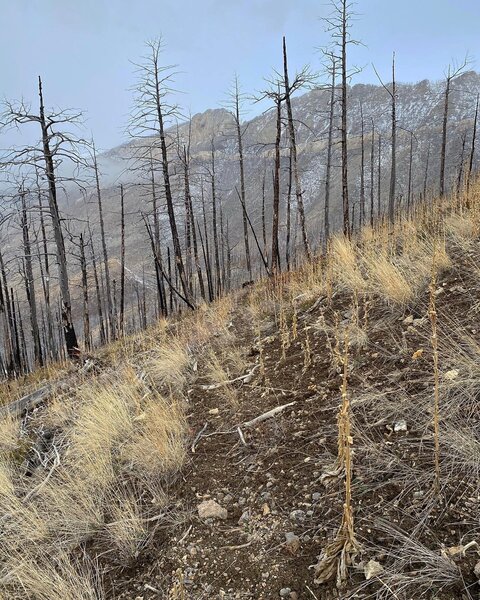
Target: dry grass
(114, 441)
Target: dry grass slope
(88, 478)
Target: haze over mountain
(419, 110)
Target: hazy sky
(83, 48)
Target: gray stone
(209, 509)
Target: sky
(84, 49)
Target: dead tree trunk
(293, 150)
(46, 281)
(216, 249)
(86, 313)
(362, 169)
(472, 148)
(68, 326)
(276, 187)
(393, 174)
(288, 223)
(343, 128)
(189, 204)
(206, 250)
(372, 174)
(326, 218)
(101, 320)
(451, 75)
(410, 174)
(161, 294)
(238, 127)
(379, 178)
(106, 265)
(122, 261)
(30, 284)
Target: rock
(400, 425)
(372, 569)
(451, 375)
(292, 542)
(213, 411)
(316, 496)
(285, 592)
(245, 517)
(297, 515)
(476, 570)
(293, 596)
(209, 509)
(408, 320)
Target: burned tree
(393, 165)
(235, 108)
(339, 24)
(301, 80)
(150, 113)
(57, 144)
(452, 73)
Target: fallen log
(30, 401)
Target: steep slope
(103, 489)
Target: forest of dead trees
(194, 254)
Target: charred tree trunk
(443, 150)
(206, 251)
(362, 169)
(86, 314)
(372, 174)
(343, 128)
(30, 284)
(106, 266)
(101, 320)
(236, 114)
(328, 171)
(293, 151)
(472, 148)
(393, 169)
(68, 326)
(122, 261)
(410, 173)
(218, 283)
(288, 224)
(276, 188)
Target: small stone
(245, 517)
(213, 411)
(316, 496)
(292, 542)
(400, 425)
(419, 494)
(209, 509)
(476, 570)
(293, 596)
(285, 592)
(451, 375)
(297, 515)
(372, 569)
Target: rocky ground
(253, 511)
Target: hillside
(156, 469)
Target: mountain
(419, 110)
